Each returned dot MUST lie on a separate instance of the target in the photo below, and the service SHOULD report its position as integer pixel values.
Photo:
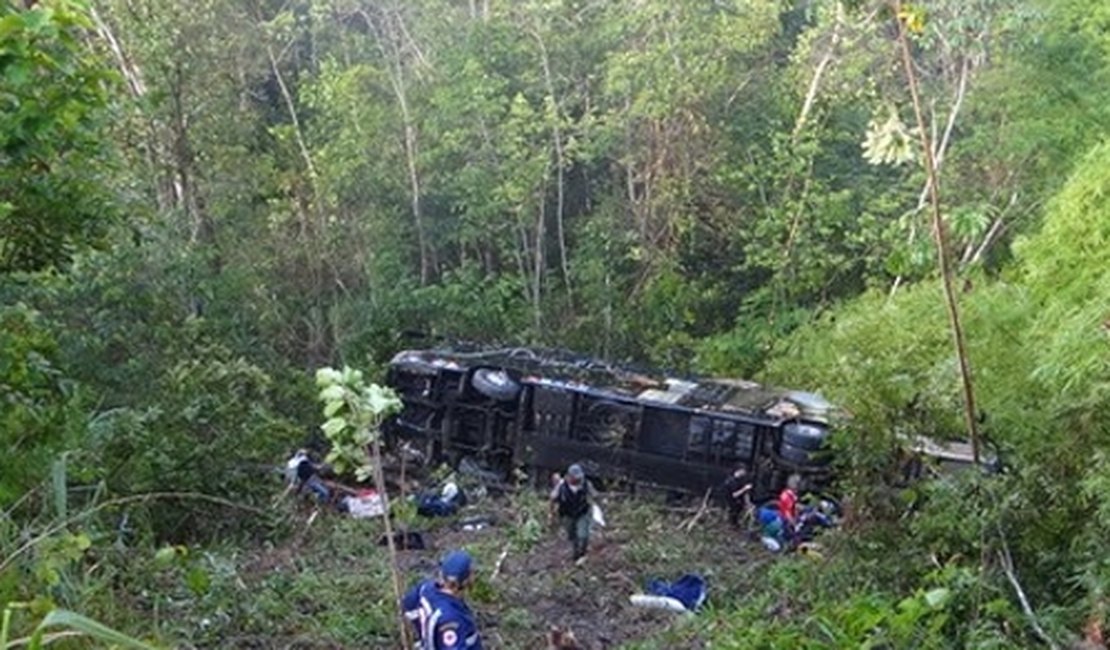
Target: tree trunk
(387, 36)
(560, 160)
(814, 84)
(538, 261)
(940, 234)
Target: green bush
(40, 413)
(215, 429)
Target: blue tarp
(690, 590)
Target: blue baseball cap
(455, 566)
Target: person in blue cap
(439, 616)
(572, 498)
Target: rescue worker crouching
(572, 498)
(437, 612)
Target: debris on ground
(528, 589)
(559, 639)
(442, 503)
(303, 475)
(470, 467)
(686, 594)
(363, 504)
(405, 541)
(475, 522)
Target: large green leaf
(87, 626)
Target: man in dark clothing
(572, 498)
(738, 491)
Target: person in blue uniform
(439, 616)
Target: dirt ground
(537, 587)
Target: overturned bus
(542, 409)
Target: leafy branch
(355, 412)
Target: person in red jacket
(788, 503)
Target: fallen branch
(1008, 568)
(284, 494)
(689, 524)
(339, 488)
(500, 561)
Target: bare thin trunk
(1007, 562)
(521, 255)
(311, 216)
(998, 227)
(940, 235)
(537, 278)
(291, 106)
(941, 149)
(796, 221)
(814, 84)
(988, 239)
(414, 189)
(130, 72)
(167, 191)
(390, 48)
(608, 316)
(395, 572)
(560, 160)
(182, 153)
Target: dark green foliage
(1039, 353)
(39, 411)
(166, 408)
(214, 430)
(54, 96)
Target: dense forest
(202, 203)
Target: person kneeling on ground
(303, 474)
(439, 616)
(572, 498)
